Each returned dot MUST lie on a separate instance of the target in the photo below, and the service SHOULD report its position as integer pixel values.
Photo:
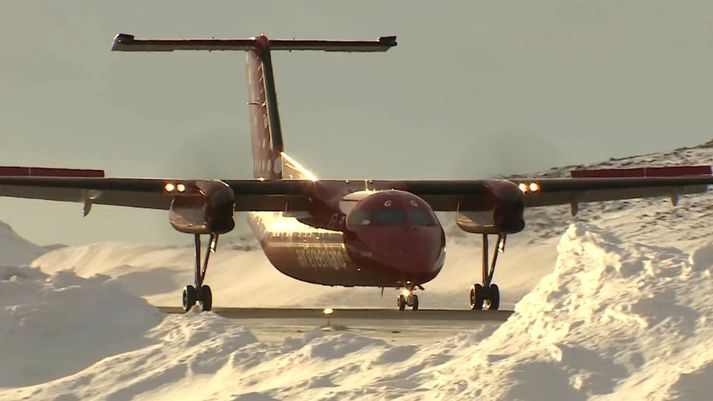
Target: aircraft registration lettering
(321, 257)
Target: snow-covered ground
(15, 250)
(616, 305)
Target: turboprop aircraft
(351, 232)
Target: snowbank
(15, 250)
(53, 326)
(613, 321)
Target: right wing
(151, 193)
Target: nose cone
(410, 254)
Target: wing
(72, 185)
(584, 186)
(616, 184)
(84, 186)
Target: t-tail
(269, 159)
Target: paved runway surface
(407, 327)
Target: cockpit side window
(389, 217)
(421, 217)
(359, 218)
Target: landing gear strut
(200, 293)
(487, 294)
(407, 298)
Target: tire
(401, 302)
(414, 302)
(477, 297)
(494, 297)
(206, 298)
(190, 296)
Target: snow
(55, 325)
(616, 305)
(17, 250)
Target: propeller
(220, 153)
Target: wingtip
(388, 40)
(120, 40)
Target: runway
(407, 327)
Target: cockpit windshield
(392, 216)
(389, 217)
(421, 217)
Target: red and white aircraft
(356, 232)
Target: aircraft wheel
(206, 298)
(493, 297)
(477, 297)
(414, 302)
(190, 297)
(401, 302)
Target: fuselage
(386, 239)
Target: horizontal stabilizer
(126, 42)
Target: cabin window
(421, 217)
(389, 217)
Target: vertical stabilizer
(264, 117)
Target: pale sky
(474, 89)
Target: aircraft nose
(415, 254)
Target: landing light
(531, 187)
(327, 314)
(181, 188)
(169, 187)
(405, 292)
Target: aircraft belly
(310, 254)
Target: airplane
(350, 232)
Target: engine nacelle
(500, 211)
(202, 207)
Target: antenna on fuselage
(267, 143)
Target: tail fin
(264, 117)
(267, 145)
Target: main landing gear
(407, 298)
(200, 293)
(486, 294)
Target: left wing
(616, 184)
(619, 184)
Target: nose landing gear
(407, 298)
(200, 293)
(487, 294)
